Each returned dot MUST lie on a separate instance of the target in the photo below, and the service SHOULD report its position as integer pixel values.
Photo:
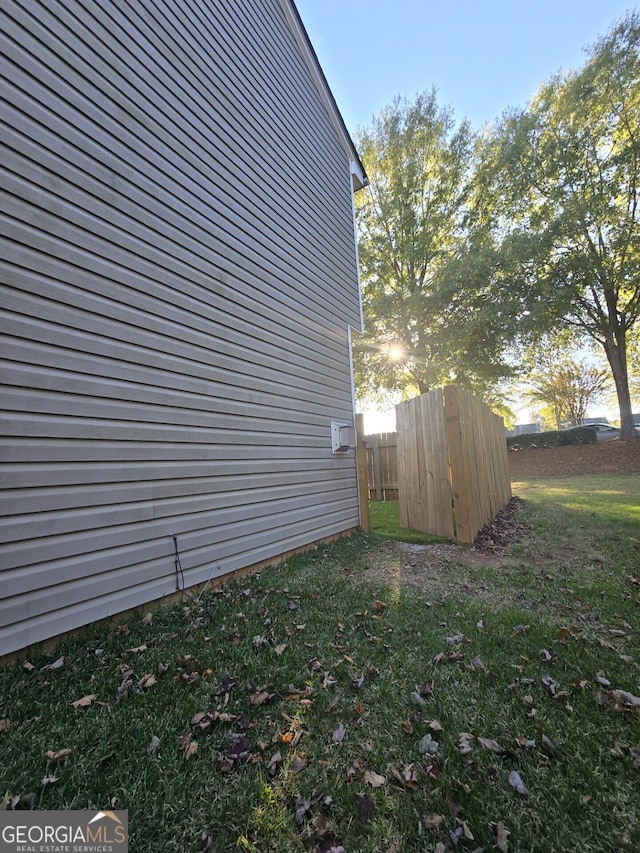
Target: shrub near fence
(552, 438)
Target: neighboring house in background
(179, 281)
(588, 421)
(522, 429)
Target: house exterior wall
(179, 275)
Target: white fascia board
(359, 176)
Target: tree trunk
(617, 358)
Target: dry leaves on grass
(374, 779)
(85, 701)
(57, 755)
(515, 780)
(502, 836)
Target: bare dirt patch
(508, 566)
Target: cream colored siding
(177, 276)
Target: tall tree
(564, 175)
(568, 388)
(424, 318)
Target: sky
(483, 57)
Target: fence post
(363, 474)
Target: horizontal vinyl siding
(177, 278)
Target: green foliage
(426, 322)
(568, 388)
(552, 438)
(561, 181)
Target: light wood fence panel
(424, 487)
(382, 466)
(451, 473)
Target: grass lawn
(306, 709)
(384, 517)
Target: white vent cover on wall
(343, 437)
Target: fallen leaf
(408, 778)
(434, 725)
(299, 763)
(239, 748)
(49, 780)
(28, 666)
(515, 780)
(22, 802)
(465, 746)
(466, 831)
(275, 759)
(279, 649)
(489, 743)
(57, 664)
(138, 649)
(259, 697)
(365, 806)
(57, 755)
(5, 724)
(147, 618)
(321, 824)
(417, 698)
(374, 779)
(520, 629)
(338, 734)
(622, 696)
(623, 750)
(502, 836)
(428, 746)
(302, 806)
(205, 843)
(548, 745)
(184, 740)
(434, 822)
(147, 681)
(550, 684)
(406, 727)
(85, 701)
(154, 743)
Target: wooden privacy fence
(451, 463)
(382, 466)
